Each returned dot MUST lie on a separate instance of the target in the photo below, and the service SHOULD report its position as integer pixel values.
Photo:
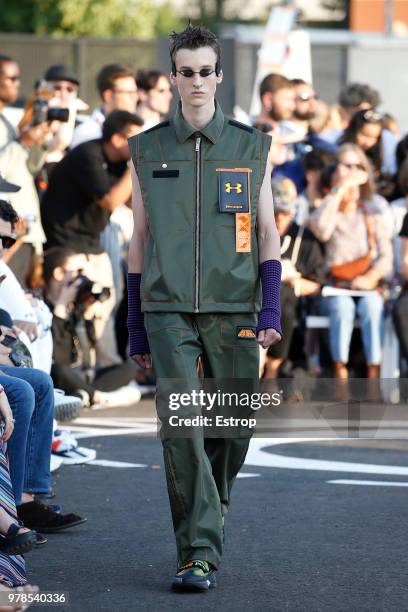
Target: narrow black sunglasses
(7, 241)
(204, 72)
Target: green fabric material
(173, 274)
(201, 471)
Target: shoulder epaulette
(157, 127)
(241, 126)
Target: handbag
(350, 270)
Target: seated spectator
(155, 96)
(117, 89)
(365, 130)
(302, 268)
(310, 198)
(13, 300)
(85, 188)
(62, 280)
(30, 393)
(401, 305)
(354, 234)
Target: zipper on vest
(197, 225)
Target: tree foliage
(119, 18)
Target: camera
(41, 109)
(42, 112)
(89, 292)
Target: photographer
(69, 294)
(85, 188)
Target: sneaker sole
(198, 586)
(61, 528)
(67, 412)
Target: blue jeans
(31, 396)
(342, 312)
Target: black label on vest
(165, 173)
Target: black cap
(6, 187)
(61, 72)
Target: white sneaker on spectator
(67, 407)
(55, 462)
(144, 389)
(75, 456)
(65, 446)
(124, 396)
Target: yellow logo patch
(237, 187)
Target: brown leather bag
(350, 270)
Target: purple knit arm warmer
(138, 343)
(269, 317)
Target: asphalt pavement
(294, 540)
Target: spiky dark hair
(194, 37)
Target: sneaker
(67, 407)
(55, 462)
(78, 455)
(39, 516)
(62, 440)
(124, 396)
(195, 575)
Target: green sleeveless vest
(191, 263)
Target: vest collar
(212, 130)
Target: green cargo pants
(200, 472)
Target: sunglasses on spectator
(370, 115)
(305, 97)
(7, 241)
(352, 166)
(188, 73)
(68, 88)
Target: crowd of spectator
(340, 186)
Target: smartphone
(8, 341)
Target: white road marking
(370, 483)
(259, 457)
(247, 475)
(116, 464)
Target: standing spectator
(355, 97)
(64, 84)
(85, 188)
(9, 90)
(354, 234)
(277, 94)
(155, 96)
(118, 91)
(305, 107)
(13, 166)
